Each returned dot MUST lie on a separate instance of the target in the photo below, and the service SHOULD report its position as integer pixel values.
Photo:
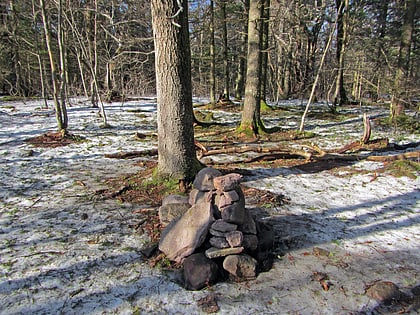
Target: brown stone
(180, 238)
(226, 198)
(242, 267)
(234, 238)
(227, 182)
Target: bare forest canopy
(107, 48)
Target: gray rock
(217, 233)
(234, 213)
(234, 238)
(199, 272)
(204, 179)
(242, 267)
(197, 196)
(227, 182)
(171, 199)
(248, 226)
(223, 226)
(250, 242)
(213, 252)
(219, 242)
(172, 211)
(180, 238)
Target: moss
(264, 107)
(403, 122)
(401, 168)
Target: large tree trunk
(251, 110)
(176, 158)
(407, 28)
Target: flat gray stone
(219, 242)
(171, 199)
(213, 252)
(223, 226)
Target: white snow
(53, 261)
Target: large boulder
(180, 238)
(199, 272)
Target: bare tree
(57, 67)
(176, 151)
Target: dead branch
(367, 129)
(395, 157)
(132, 155)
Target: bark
(176, 151)
(401, 74)
(264, 47)
(340, 96)
(240, 78)
(251, 110)
(60, 107)
(226, 91)
(212, 57)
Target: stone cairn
(212, 233)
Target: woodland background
(107, 48)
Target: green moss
(401, 168)
(264, 107)
(402, 122)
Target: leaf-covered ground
(73, 222)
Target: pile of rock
(212, 233)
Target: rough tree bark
(57, 71)
(251, 111)
(212, 78)
(401, 74)
(176, 152)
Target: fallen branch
(395, 157)
(132, 155)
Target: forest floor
(72, 227)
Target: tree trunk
(251, 111)
(264, 48)
(176, 158)
(226, 91)
(240, 78)
(212, 78)
(401, 74)
(340, 96)
(60, 112)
